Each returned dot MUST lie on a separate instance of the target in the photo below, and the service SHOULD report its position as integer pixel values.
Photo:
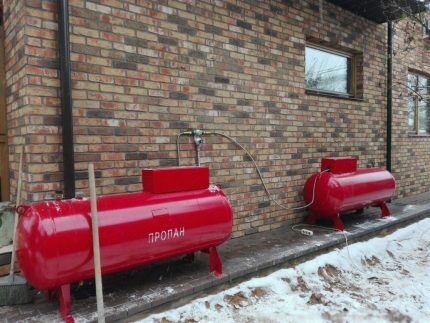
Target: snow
(381, 280)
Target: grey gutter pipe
(389, 93)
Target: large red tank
(340, 188)
(178, 213)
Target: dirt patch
(301, 285)
(377, 280)
(328, 270)
(335, 317)
(405, 272)
(329, 273)
(317, 298)
(333, 279)
(287, 280)
(292, 286)
(332, 270)
(396, 316)
(218, 307)
(259, 292)
(164, 320)
(237, 300)
(371, 261)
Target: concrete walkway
(131, 294)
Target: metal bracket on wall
(198, 141)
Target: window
(328, 71)
(418, 103)
(426, 29)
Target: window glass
(423, 105)
(423, 85)
(412, 82)
(327, 71)
(418, 103)
(411, 113)
(423, 115)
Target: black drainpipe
(66, 99)
(389, 92)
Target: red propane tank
(341, 188)
(179, 215)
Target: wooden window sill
(333, 95)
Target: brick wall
(411, 153)
(144, 70)
(17, 100)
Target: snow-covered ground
(381, 280)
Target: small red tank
(340, 188)
(178, 213)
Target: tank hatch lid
(339, 165)
(175, 179)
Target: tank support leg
(385, 211)
(215, 264)
(337, 222)
(65, 305)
